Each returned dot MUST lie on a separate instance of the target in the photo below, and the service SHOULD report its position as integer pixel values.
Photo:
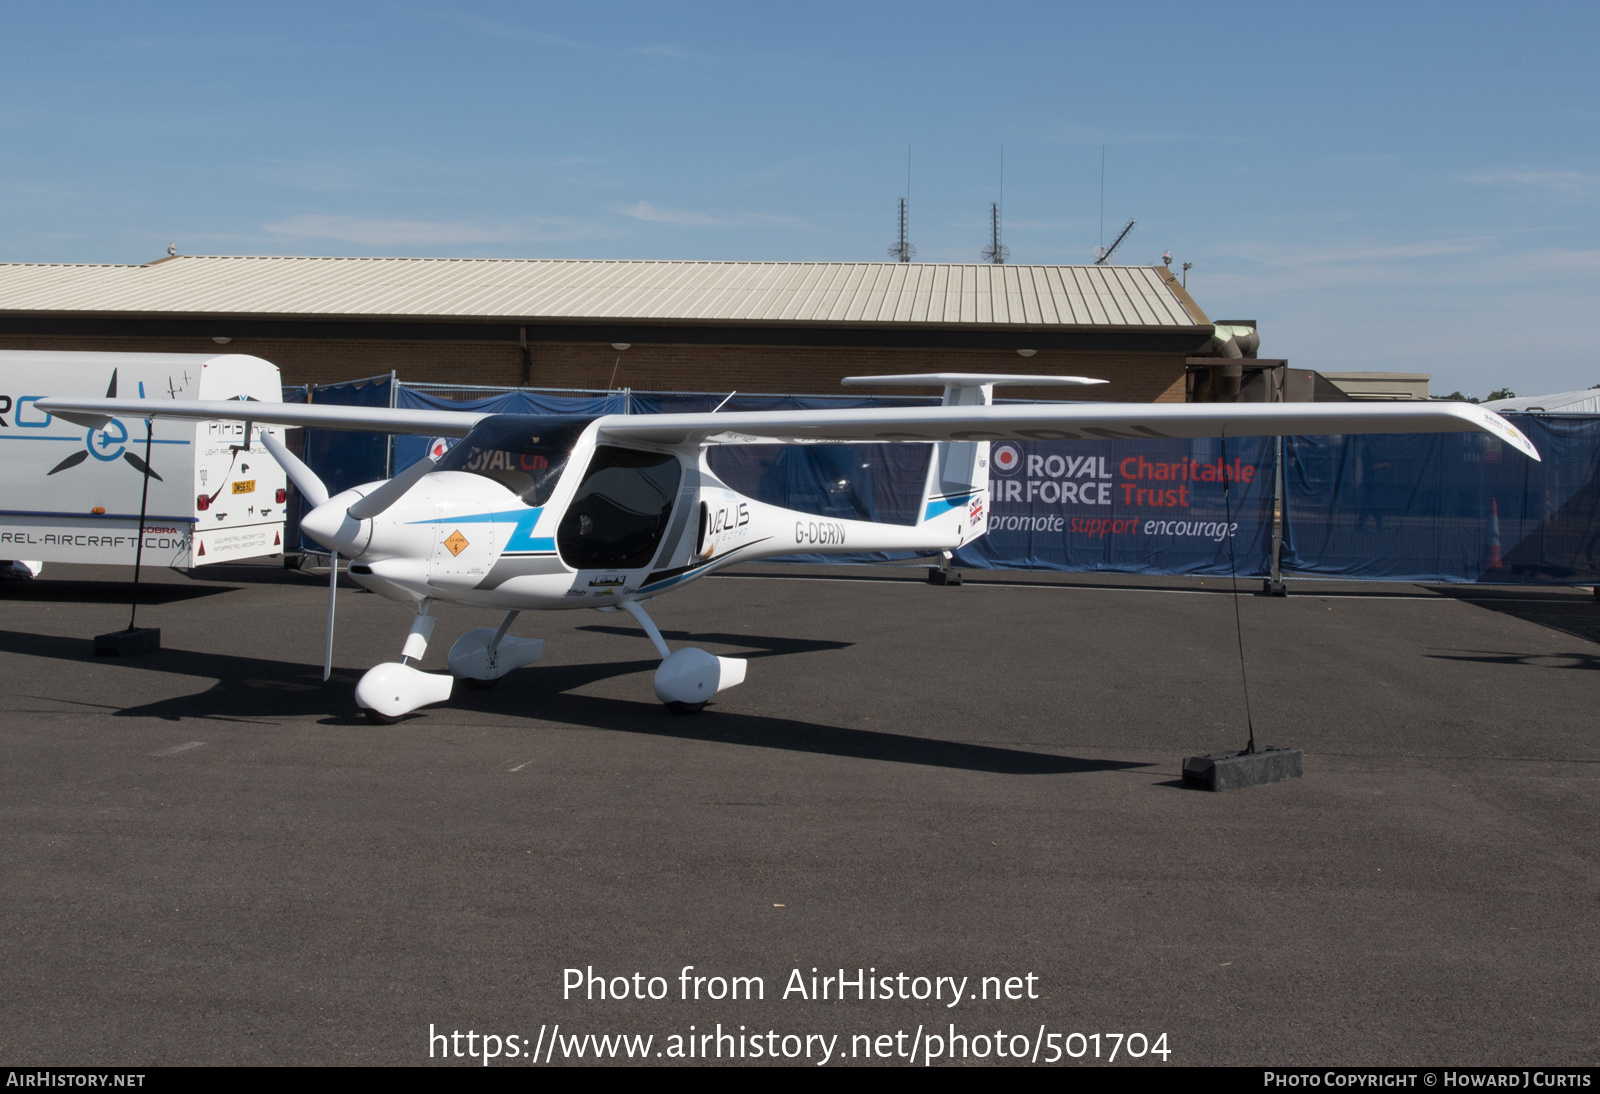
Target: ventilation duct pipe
(1233, 341)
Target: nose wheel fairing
(393, 689)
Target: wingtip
(1510, 434)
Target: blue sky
(1409, 187)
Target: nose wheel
(392, 690)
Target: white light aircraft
(557, 512)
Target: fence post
(1274, 584)
(394, 401)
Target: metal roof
(1586, 401)
(783, 293)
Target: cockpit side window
(620, 511)
(525, 453)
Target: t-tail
(955, 497)
(957, 488)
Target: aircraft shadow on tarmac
(246, 574)
(1574, 616)
(1577, 616)
(1574, 660)
(251, 689)
(762, 645)
(104, 592)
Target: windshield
(525, 453)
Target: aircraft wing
(1019, 422)
(366, 419)
(1061, 421)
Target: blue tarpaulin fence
(1432, 507)
(1447, 507)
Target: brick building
(794, 327)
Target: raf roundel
(1007, 458)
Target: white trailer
(70, 494)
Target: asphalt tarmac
(210, 858)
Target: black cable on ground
(144, 501)
(1233, 573)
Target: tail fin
(958, 475)
(957, 489)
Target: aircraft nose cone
(332, 526)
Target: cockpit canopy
(525, 453)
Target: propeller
(391, 491)
(333, 588)
(313, 489)
(304, 479)
(328, 526)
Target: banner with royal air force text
(1137, 506)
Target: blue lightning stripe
(944, 505)
(521, 537)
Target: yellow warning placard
(456, 543)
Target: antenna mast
(994, 251)
(1102, 244)
(902, 250)
(1104, 254)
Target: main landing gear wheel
(381, 719)
(481, 657)
(687, 678)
